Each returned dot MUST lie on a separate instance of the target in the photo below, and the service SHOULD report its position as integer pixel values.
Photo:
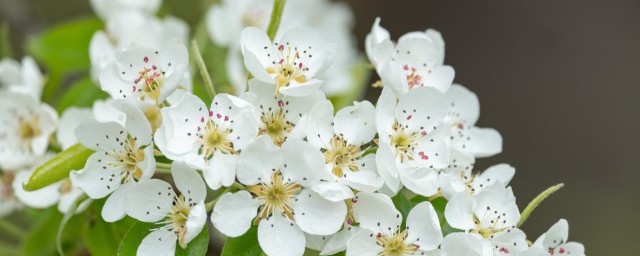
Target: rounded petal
(157, 243)
(257, 160)
(356, 123)
(484, 142)
(464, 104)
(41, 198)
(234, 212)
(295, 89)
(221, 171)
(113, 209)
(100, 136)
(424, 227)
(387, 168)
(376, 213)
(333, 191)
(195, 221)
(188, 182)
(149, 200)
(366, 178)
(137, 124)
(421, 109)
(316, 215)
(304, 164)
(363, 243)
(70, 120)
(422, 181)
(97, 179)
(385, 112)
(319, 129)
(557, 234)
(459, 212)
(508, 243)
(464, 244)
(279, 236)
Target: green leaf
(41, 240)
(65, 46)
(99, 237)
(403, 204)
(58, 168)
(197, 247)
(82, 93)
(245, 245)
(132, 239)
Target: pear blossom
(363, 205)
(556, 241)
(123, 156)
(281, 116)
(381, 234)
(460, 178)
(106, 8)
(415, 61)
(207, 139)
(8, 201)
(343, 141)
(412, 140)
(25, 128)
(24, 77)
(70, 119)
(290, 62)
(492, 214)
(179, 217)
(463, 114)
(280, 196)
(145, 74)
(465, 244)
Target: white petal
(242, 118)
(195, 221)
(557, 234)
(376, 213)
(221, 171)
(188, 182)
(333, 191)
(424, 227)
(464, 103)
(304, 164)
(386, 163)
(253, 41)
(464, 244)
(366, 178)
(97, 179)
(149, 200)
(338, 242)
(422, 109)
(459, 212)
(316, 215)
(41, 198)
(158, 243)
(70, 120)
(498, 173)
(234, 212)
(279, 236)
(363, 244)
(385, 112)
(257, 160)
(69, 200)
(100, 136)
(295, 89)
(137, 124)
(440, 78)
(393, 76)
(113, 209)
(310, 39)
(485, 142)
(422, 181)
(508, 243)
(319, 129)
(356, 123)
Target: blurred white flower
(70, 119)
(123, 156)
(280, 196)
(415, 61)
(343, 141)
(8, 201)
(281, 116)
(209, 140)
(381, 234)
(413, 139)
(106, 8)
(179, 217)
(556, 241)
(22, 77)
(290, 62)
(492, 214)
(146, 74)
(25, 128)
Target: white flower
(145, 74)
(556, 241)
(225, 21)
(25, 128)
(281, 116)
(381, 234)
(463, 114)
(70, 120)
(343, 140)
(365, 205)
(415, 61)
(492, 214)
(460, 178)
(123, 156)
(465, 244)
(280, 197)
(106, 8)
(207, 139)
(8, 201)
(413, 138)
(22, 77)
(179, 217)
(290, 62)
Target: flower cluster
(276, 154)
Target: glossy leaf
(132, 239)
(245, 245)
(197, 247)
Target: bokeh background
(560, 79)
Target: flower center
(414, 80)
(149, 82)
(288, 65)
(28, 129)
(65, 186)
(275, 196)
(176, 220)
(276, 125)
(405, 142)
(395, 245)
(492, 222)
(215, 138)
(342, 155)
(128, 159)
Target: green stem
(163, 167)
(233, 188)
(202, 66)
(276, 16)
(536, 201)
(12, 229)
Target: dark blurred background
(560, 79)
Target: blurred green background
(559, 79)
